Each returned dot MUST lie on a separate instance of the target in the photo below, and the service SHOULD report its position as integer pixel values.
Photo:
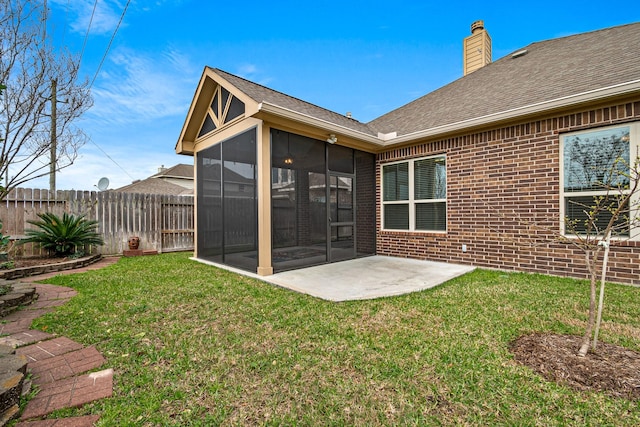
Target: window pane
(298, 201)
(430, 179)
(593, 160)
(210, 204)
(235, 109)
(577, 218)
(207, 126)
(431, 216)
(240, 209)
(396, 182)
(340, 159)
(396, 217)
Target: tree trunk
(586, 339)
(605, 258)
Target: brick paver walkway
(65, 365)
(50, 348)
(70, 393)
(57, 363)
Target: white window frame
(412, 202)
(634, 141)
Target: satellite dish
(103, 184)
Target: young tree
(601, 191)
(39, 81)
(610, 215)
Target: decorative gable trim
(216, 105)
(224, 109)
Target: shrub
(4, 240)
(63, 236)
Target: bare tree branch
(28, 66)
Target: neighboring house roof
(155, 186)
(178, 171)
(549, 70)
(163, 182)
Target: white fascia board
(563, 102)
(313, 121)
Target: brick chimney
(476, 48)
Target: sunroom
(273, 194)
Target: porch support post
(264, 201)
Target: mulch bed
(611, 369)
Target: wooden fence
(163, 223)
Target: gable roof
(178, 171)
(155, 186)
(160, 183)
(542, 77)
(558, 69)
(265, 96)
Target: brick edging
(19, 273)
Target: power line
(109, 157)
(86, 36)
(110, 41)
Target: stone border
(19, 273)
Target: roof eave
(600, 94)
(330, 127)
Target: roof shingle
(549, 70)
(261, 93)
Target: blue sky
(365, 57)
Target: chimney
(476, 48)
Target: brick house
(451, 176)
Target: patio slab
(364, 278)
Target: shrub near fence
(163, 223)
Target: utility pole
(54, 142)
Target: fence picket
(164, 223)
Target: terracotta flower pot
(134, 243)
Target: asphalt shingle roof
(155, 186)
(261, 93)
(549, 70)
(178, 171)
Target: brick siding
(497, 180)
(365, 203)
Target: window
(223, 110)
(414, 194)
(595, 172)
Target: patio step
(58, 364)
(19, 294)
(13, 368)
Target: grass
(192, 345)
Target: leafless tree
(37, 77)
(607, 215)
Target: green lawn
(194, 345)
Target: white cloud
(253, 73)
(103, 19)
(138, 87)
(92, 164)
(247, 70)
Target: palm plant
(63, 236)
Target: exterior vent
(520, 53)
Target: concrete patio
(363, 278)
